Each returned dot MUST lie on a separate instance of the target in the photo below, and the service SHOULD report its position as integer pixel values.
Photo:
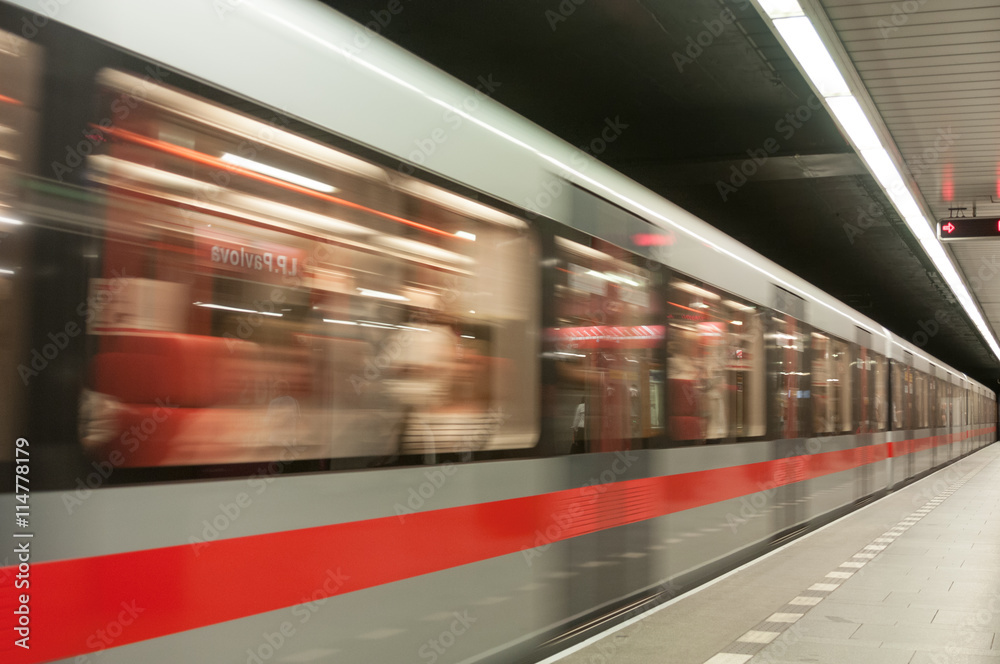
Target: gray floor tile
(936, 658)
(823, 651)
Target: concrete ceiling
(703, 87)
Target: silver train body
(308, 62)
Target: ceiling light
(855, 122)
(781, 8)
(465, 234)
(805, 44)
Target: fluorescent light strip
(11, 221)
(802, 38)
(287, 176)
(781, 8)
(242, 311)
(814, 58)
(854, 121)
(6, 271)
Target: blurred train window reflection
(607, 346)
(789, 346)
(715, 365)
(831, 385)
(20, 101)
(881, 412)
(903, 415)
(286, 300)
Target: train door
(789, 381)
(864, 381)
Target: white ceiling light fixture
(781, 8)
(805, 43)
(829, 74)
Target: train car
(312, 353)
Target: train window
(20, 100)
(291, 301)
(944, 399)
(880, 372)
(788, 352)
(932, 401)
(899, 389)
(715, 371)
(607, 348)
(919, 400)
(831, 385)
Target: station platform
(913, 578)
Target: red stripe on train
(83, 605)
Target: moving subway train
(313, 354)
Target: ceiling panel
(934, 75)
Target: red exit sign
(967, 228)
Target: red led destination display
(969, 227)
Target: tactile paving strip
(743, 649)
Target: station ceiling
(704, 92)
